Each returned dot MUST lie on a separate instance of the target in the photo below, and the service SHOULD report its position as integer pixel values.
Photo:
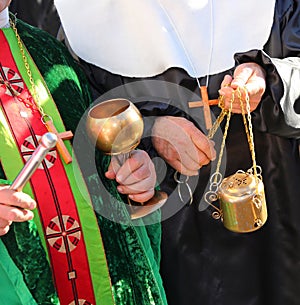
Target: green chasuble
(132, 252)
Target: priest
(241, 56)
(68, 253)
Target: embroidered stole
(64, 216)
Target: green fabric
(131, 252)
(12, 284)
(5, 181)
(133, 257)
(24, 246)
(93, 240)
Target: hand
(136, 177)
(181, 144)
(250, 76)
(14, 206)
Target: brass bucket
(242, 202)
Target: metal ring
(189, 190)
(178, 180)
(258, 170)
(257, 201)
(46, 118)
(217, 176)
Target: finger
(110, 175)
(113, 168)
(177, 165)
(256, 87)
(4, 223)
(142, 197)
(130, 176)
(172, 153)
(241, 76)
(169, 154)
(137, 168)
(136, 188)
(205, 146)
(226, 92)
(239, 104)
(204, 160)
(128, 172)
(190, 159)
(194, 163)
(15, 214)
(249, 74)
(4, 230)
(226, 81)
(183, 160)
(141, 174)
(4, 226)
(18, 199)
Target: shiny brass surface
(148, 207)
(242, 202)
(115, 125)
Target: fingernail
(120, 189)
(32, 205)
(31, 215)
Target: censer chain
(216, 178)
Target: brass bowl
(115, 125)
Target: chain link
(44, 117)
(248, 127)
(219, 119)
(215, 181)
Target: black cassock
(202, 262)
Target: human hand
(136, 177)
(182, 145)
(250, 76)
(14, 206)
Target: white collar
(141, 38)
(4, 18)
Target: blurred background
(40, 13)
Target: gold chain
(212, 194)
(228, 113)
(248, 128)
(44, 117)
(248, 125)
(219, 119)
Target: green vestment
(132, 251)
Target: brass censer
(241, 196)
(117, 126)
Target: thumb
(113, 168)
(241, 76)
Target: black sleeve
(279, 110)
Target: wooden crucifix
(61, 147)
(205, 103)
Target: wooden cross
(62, 149)
(67, 135)
(205, 103)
